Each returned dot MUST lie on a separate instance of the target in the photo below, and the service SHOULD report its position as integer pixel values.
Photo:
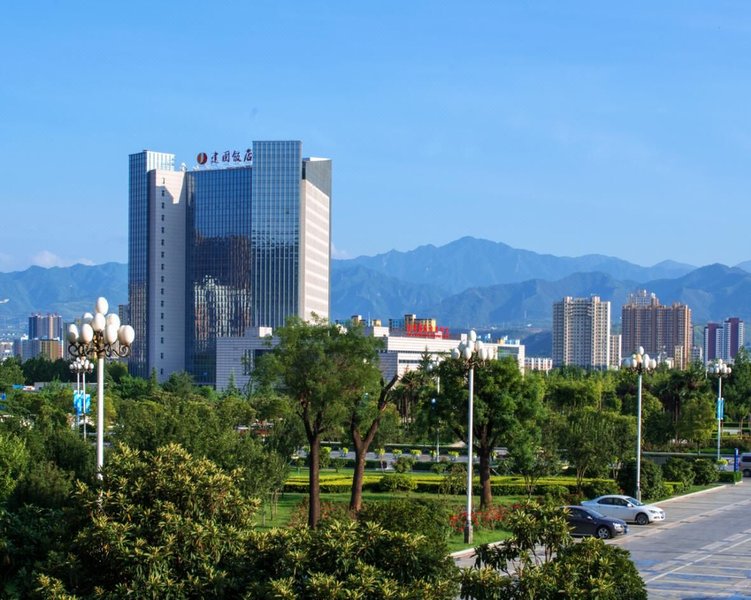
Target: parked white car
(626, 508)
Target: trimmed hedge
(729, 476)
(500, 485)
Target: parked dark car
(586, 521)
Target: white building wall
(399, 355)
(315, 248)
(166, 314)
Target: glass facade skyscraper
(239, 247)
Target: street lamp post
(719, 369)
(100, 336)
(471, 350)
(80, 366)
(433, 366)
(639, 361)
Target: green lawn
(289, 502)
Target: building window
(162, 242)
(162, 265)
(161, 340)
(162, 278)
(162, 207)
(162, 313)
(161, 371)
(161, 355)
(162, 257)
(162, 303)
(162, 192)
(162, 291)
(162, 229)
(162, 327)
(162, 217)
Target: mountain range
(467, 283)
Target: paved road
(702, 550)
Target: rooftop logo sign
(228, 157)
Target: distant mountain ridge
(492, 263)
(466, 283)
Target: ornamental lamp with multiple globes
(640, 362)
(719, 368)
(473, 351)
(101, 336)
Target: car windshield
(594, 513)
(634, 501)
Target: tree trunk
(314, 488)
(362, 444)
(486, 494)
(355, 501)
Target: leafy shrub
(705, 471)
(491, 517)
(678, 469)
(410, 515)
(458, 521)
(729, 476)
(599, 487)
(742, 442)
(439, 467)
(44, 485)
(593, 569)
(330, 511)
(455, 480)
(403, 464)
(651, 479)
(397, 482)
(674, 488)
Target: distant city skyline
(563, 128)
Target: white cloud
(337, 253)
(48, 259)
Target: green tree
(697, 421)
(14, 460)
(736, 389)
(595, 439)
(163, 524)
(364, 423)
(320, 368)
(503, 403)
(10, 374)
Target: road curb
(469, 551)
(699, 492)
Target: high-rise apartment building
(663, 331)
(723, 341)
(581, 332)
(217, 251)
(45, 327)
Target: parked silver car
(626, 508)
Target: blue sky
(560, 127)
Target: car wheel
(642, 519)
(603, 533)
(747, 472)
